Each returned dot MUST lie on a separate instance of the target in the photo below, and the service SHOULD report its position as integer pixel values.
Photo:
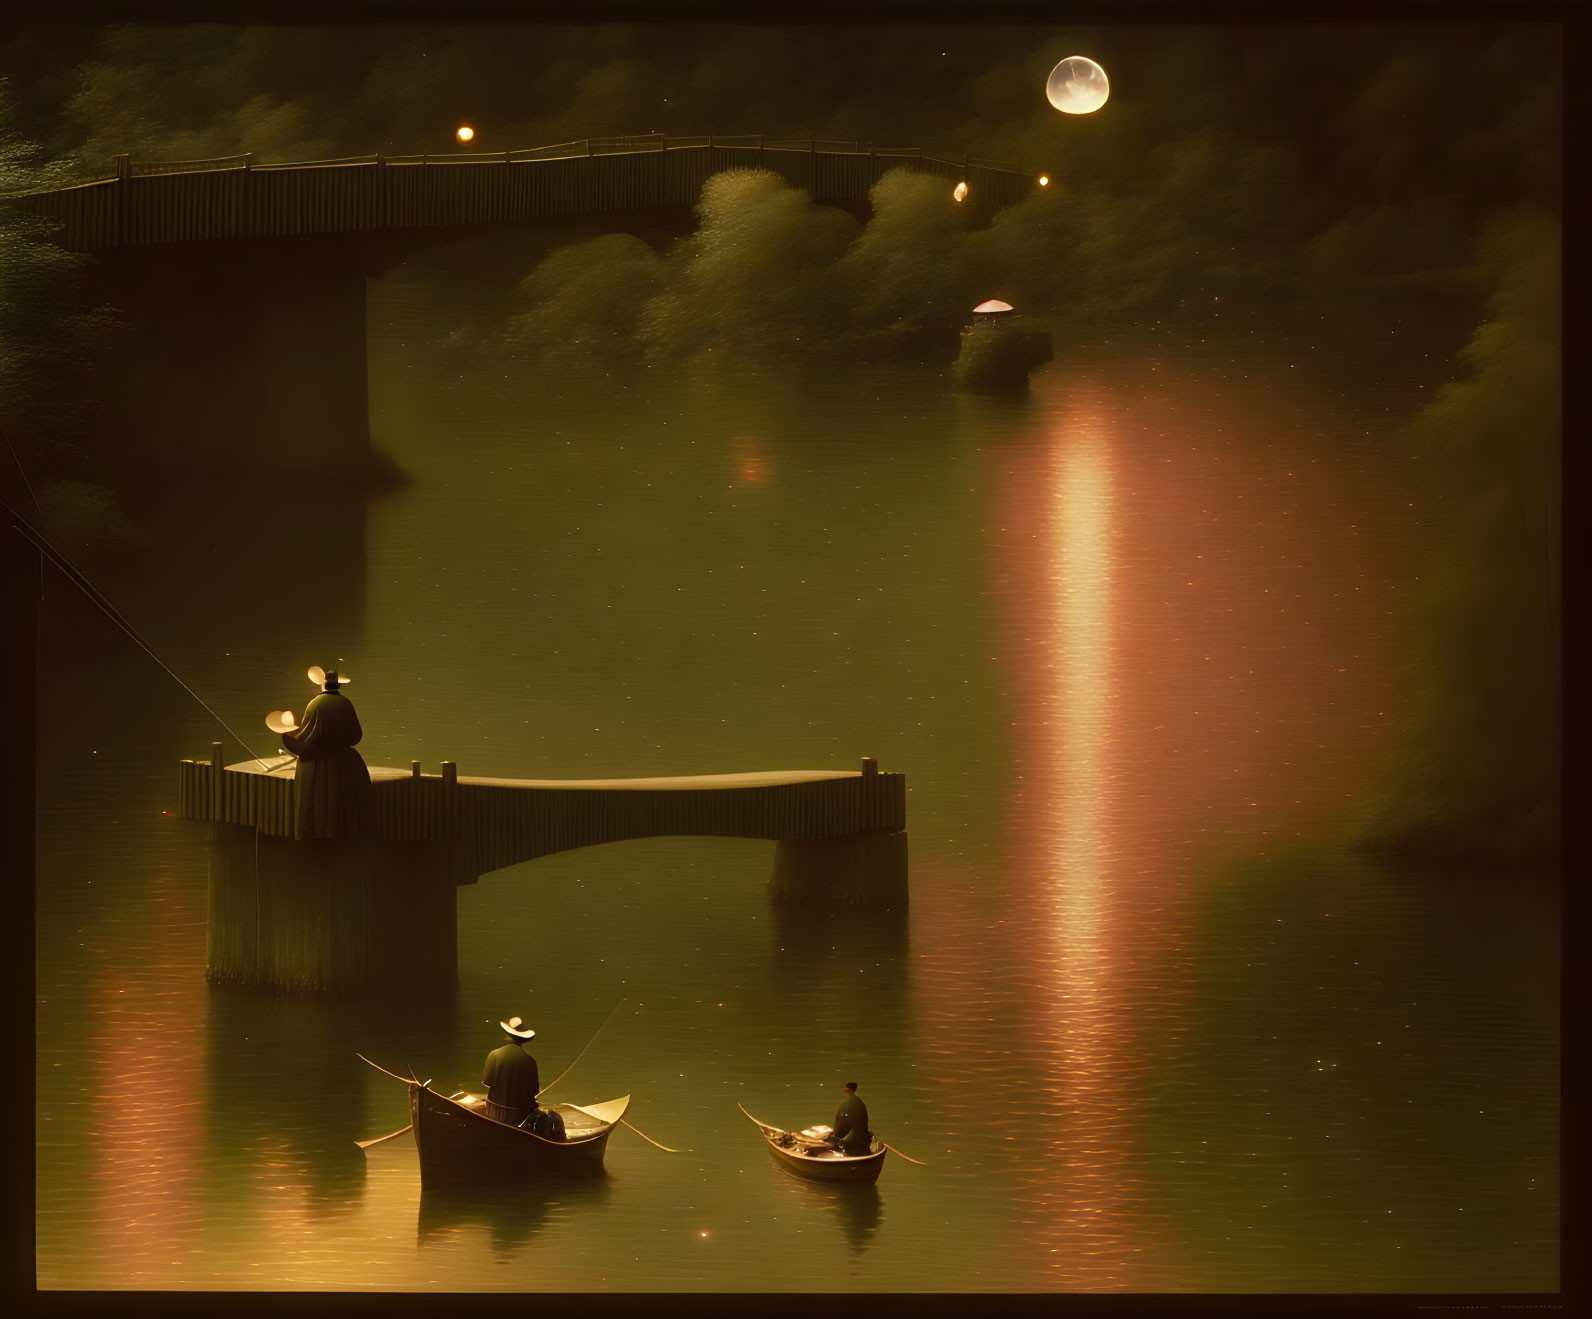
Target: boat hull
(460, 1146)
(826, 1168)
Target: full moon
(1077, 86)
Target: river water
(1136, 641)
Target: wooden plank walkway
(506, 821)
(235, 197)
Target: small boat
(460, 1145)
(809, 1155)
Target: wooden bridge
(250, 278)
(296, 914)
(236, 197)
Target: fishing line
(23, 473)
(581, 1055)
(64, 566)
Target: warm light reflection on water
(1064, 497)
(147, 1097)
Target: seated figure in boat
(512, 1083)
(851, 1134)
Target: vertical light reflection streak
(148, 1123)
(1085, 989)
(1081, 1202)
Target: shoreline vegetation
(997, 358)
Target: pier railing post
(450, 793)
(215, 790)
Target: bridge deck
(197, 201)
(504, 821)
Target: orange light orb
(959, 192)
(1044, 180)
(466, 133)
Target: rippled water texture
(1135, 641)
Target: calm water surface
(1137, 642)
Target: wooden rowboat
(460, 1145)
(809, 1156)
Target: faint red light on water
(750, 459)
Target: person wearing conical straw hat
(333, 783)
(511, 1077)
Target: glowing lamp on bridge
(959, 192)
(465, 133)
(1077, 86)
(1044, 180)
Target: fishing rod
(67, 569)
(582, 1054)
(23, 473)
(644, 1136)
(407, 1080)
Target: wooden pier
(298, 914)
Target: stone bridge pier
(240, 354)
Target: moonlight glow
(466, 133)
(1077, 86)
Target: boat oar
(366, 1144)
(582, 1054)
(644, 1136)
(900, 1155)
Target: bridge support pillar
(864, 870)
(332, 915)
(247, 355)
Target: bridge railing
(629, 142)
(147, 168)
(237, 197)
(373, 159)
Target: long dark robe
(333, 783)
(851, 1126)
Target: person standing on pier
(851, 1132)
(511, 1078)
(333, 783)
